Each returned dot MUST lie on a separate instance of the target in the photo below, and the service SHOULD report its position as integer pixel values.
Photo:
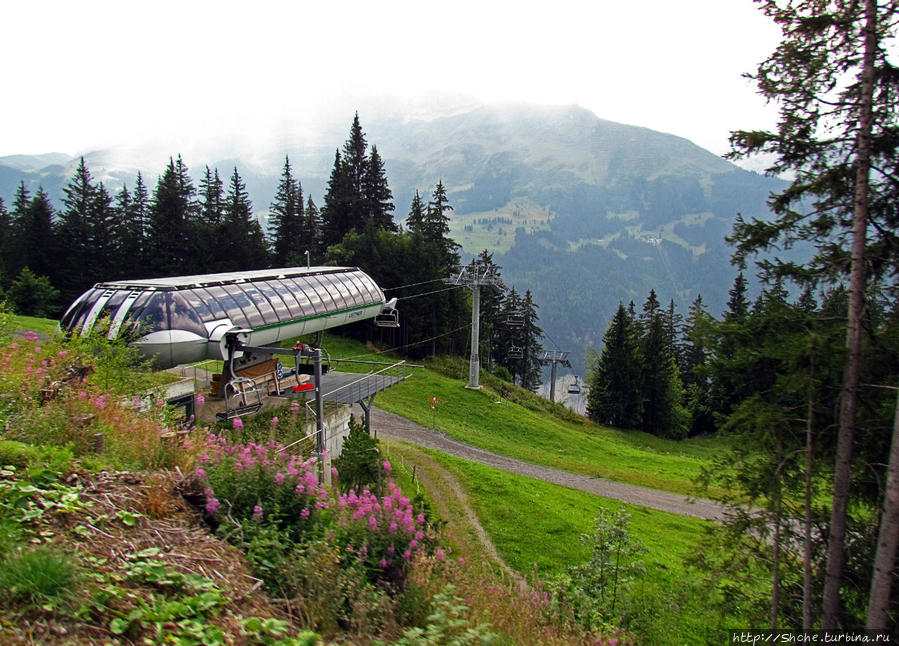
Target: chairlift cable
(436, 291)
(424, 282)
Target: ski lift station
(189, 318)
(241, 318)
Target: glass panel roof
(250, 299)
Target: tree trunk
(885, 559)
(849, 395)
(807, 618)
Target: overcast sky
(83, 75)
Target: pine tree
(355, 168)
(335, 213)
(662, 409)
(415, 221)
(436, 226)
(36, 239)
(78, 261)
(312, 230)
(171, 226)
(287, 221)
(615, 393)
(695, 368)
(533, 348)
(243, 245)
(377, 197)
(18, 229)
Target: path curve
(392, 426)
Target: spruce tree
(171, 226)
(243, 245)
(415, 221)
(695, 368)
(287, 221)
(18, 224)
(36, 238)
(336, 211)
(533, 348)
(615, 394)
(436, 226)
(662, 407)
(78, 261)
(312, 231)
(376, 194)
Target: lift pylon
(474, 276)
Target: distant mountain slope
(583, 212)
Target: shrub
(359, 463)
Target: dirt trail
(451, 504)
(391, 426)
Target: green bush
(359, 464)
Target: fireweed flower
(200, 399)
(212, 505)
(257, 512)
(237, 423)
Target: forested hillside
(551, 192)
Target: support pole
(474, 362)
(320, 418)
(366, 408)
(552, 382)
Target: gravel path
(393, 426)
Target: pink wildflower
(37, 349)
(304, 514)
(212, 505)
(200, 473)
(200, 399)
(279, 478)
(275, 420)
(237, 423)
(387, 467)
(441, 554)
(257, 512)
(383, 563)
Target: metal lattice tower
(554, 357)
(474, 276)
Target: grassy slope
(484, 419)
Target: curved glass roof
(250, 299)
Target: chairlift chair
(388, 318)
(515, 319)
(242, 397)
(516, 352)
(574, 388)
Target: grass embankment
(534, 430)
(536, 529)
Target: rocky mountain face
(583, 212)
